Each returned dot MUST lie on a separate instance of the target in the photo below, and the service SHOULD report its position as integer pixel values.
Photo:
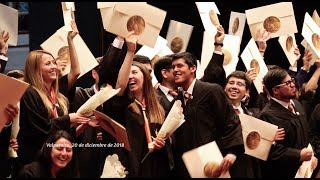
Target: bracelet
(218, 44)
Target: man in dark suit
(283, 110)
(164, 74)
(208, 113)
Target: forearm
(313, 82)
(74, 64)
(123, 76)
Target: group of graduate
(50, 125)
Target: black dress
(156, 164)
(36, 125)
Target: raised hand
(219, 37)
(4, 37)
(131, 41)
(262, 37)
(14, 144)
(307, 57)
(158, 143)
(74, 32)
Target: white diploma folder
(230, 49)
(316, 18)
(59, 39)
(236, 24)
(178, 33)
(311, 33)
(117, 17)
(151, 52)
(205, 10)
(278, 19)
(252, 58)
(68, 9)
(96, 100)
(196, 159)
(10, 93)
(306, 169)
(288, 44)
(173, 121)
(9, 22)
(257, 135)
(113, 128)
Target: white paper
(288, 44)
(196, 159)
(267, 132)
(172, 122)
(11, 92)
(251, 52)
(96, 100)
(67, 17)
(165, 51)
(204, 8)
(278, 19)
(199, 72)
(177, 32)
(305, 44)
(231, 48)
(305, 170)
(236, 24)
(115, 18)
(9, 22)
(309, 30)
(70, 5)
(151, 52)
(59, 39)
(316, 18)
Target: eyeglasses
(287, 83)
(239, 84)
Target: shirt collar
(164, 89)
(239, 108)
(95, 89)
(282, 103)
(190, 89)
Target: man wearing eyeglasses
(283, 110)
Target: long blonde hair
(34, 77)
(153, 107)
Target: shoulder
(31, 92)
(32, 170)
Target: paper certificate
(288, 44)
(196, 159)
(96, 100)
(258, 136)
(252, 58)
(11, 93)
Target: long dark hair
(44, 157)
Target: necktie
(186, 96)
(237, 111)
(173, 93)
(291, 108)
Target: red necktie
(237, 111)
(186, 96)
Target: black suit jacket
(209, 117)
(110, 66)
(284, 156)
(214, 72)
(163, 100)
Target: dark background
(46, 17)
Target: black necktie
(237, 111)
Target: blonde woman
(43, 109)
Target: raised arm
(74, 62)
(313, 82)
(123, 76)
(4, 36)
